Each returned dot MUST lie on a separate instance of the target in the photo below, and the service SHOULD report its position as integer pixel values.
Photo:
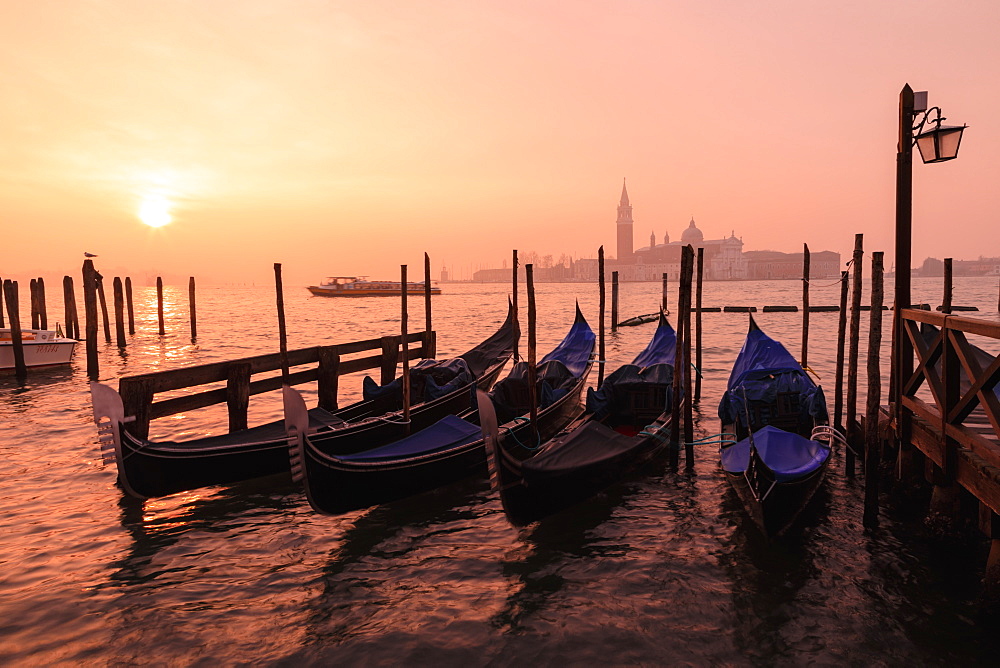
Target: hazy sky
(349, 137)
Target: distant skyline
(349, 138)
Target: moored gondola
(625, 424)
(148, 468)
(449, 450)
(778, 417)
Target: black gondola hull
(150, 469)
(336, 486)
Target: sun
(155, 211)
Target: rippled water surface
(661, 569)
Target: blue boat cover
(557, 373)
(448, 432)
(575, 349)
(653, 367)
(762, 370)
(789, 455)
(429, 379)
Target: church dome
(692, 234)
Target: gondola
(625, 424)
(449, 450)
(779, 418)
(639, 320)
(156, 468)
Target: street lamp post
(937, 144)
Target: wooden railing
(944, 364)
(137, 392)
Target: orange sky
(349, 137)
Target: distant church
(723, 257)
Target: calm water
(662, 569)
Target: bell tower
(624, 228)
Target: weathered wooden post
(946, 300)
(687, 270)
(805, 305)
(69, 309)
(13, 313)
(238, 395)
(137, 399)
(517, 326)
(874, 400)
(43, 317)
(430, 339)
(529, 278)
(677, 387)
(600, 327)
(33, 301)
(194, 312)
(90, 314)
(697, 320)
(282, 332)
(159, 298)
(405, 346)
(104, 306)
(614, 301)
(329, 377)
(128, 304)
(1, 304)
(666, 306)
(390, 358)
(838, 400)
(119, 300)
(852, 357)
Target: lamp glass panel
(927, 147)
(948, 143)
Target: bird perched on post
(86, 254)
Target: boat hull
(782, 505)
(150, 469)
(529, 496)
(38, 353)
(336, 486)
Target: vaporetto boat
(360, 286)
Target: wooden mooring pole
(852, 357)
(430, 340)
(874, 397)
(666, 306)
(43, 317)
(1, 304)
(33, 300)
(14, 315)
(614, 301)
(946, 299)
(805, 306)
(282, 331)
(128, 305)
(159, 299)
(404, 352)
(529, 279)
(90, 314)
(838, 400)
(697, 321)
(104, 306)
(69, 309)
(517, 326)
(119, 300)
(687, 271)
(600, 327)
(193, 309)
